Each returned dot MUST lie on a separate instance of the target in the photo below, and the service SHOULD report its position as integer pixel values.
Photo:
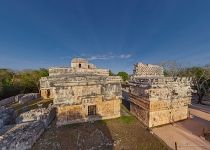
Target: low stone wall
(20, 98)
(7, 116)
(30, 125)
(21, 136)
(41, 114)
(28, 97)
(10, 100)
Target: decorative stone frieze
(82, 93)
(158, 100)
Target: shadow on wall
(80, 136)
(125, 99)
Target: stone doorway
(91, 110)
(48, 93)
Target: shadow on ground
(125, 133)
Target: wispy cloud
(101, 57)
(110, 56)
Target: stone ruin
(28, 128)
(156, 100)
(82, 92)
(20, 98)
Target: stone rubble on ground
(7, 116)
(30, 125)
(44, 115)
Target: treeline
(200, 76)
(16, 82)
(122, 74)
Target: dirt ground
(188, 134)
(124, 133)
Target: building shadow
(125, 96)
(93, 134)
(195, 125)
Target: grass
(127, 119)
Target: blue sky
(113, 34)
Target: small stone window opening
(80, 65)
(88, 66)
(91, 110)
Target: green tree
(13, 83)
(124, 75)
(111, 73)
(201, 80)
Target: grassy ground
(30, 105)
(124, 133)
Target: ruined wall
(82, 63)
(73, 97)
(159, 100)
(68, 114)
(77, 89)
(78, 66)
(147, 70)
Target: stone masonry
(30, 125)
(156, 100)
(82, 92)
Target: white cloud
(125, 56)
(105, 57)
(101, 57)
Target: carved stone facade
(157, 100)
(82, 93)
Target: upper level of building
(78, 66)
(147, 70)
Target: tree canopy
(13, 83)
(124, 75)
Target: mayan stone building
(82, 92)
(156, 100)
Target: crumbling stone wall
(21, 136)
(7, 116)
(45, 115)
(159, 100)
(20, 98)
(78, 66)
(30, 125)
(81, 87)
(147, 70)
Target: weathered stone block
(82, 93)
(158, 100)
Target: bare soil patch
(124, 133)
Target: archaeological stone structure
(28, 127)
(156, 100)
(82, 92)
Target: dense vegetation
(124, 75)
(13, 83)
(200, 77)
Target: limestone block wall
(69, 114)
(157, 101)
(55, 71)
(147, 70)
(82, 89)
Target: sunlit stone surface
(158, 100)
(82, 92)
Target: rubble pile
(30, 125)
(7, 116)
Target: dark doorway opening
(48, 93)
(91, 110)
(80, 65)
